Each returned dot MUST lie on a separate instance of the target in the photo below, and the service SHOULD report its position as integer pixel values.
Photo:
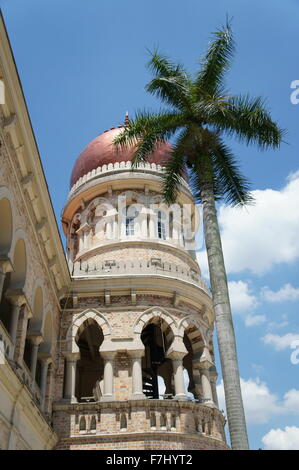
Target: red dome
(102, 151)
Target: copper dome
(101, 151)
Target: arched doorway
(90, 367)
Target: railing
(117, 166)
(26, 377)
(109, 418)
(122, 268)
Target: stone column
(46, 360)
(35, 339)
(24, 316)
(206, 385)
(137, 385)
(179, 384)
(152, 224)
(213, 379)
(15, 311)
(17, 299)
(176, 353)
(70, 376)
(108, 392)
(142, 218)
(205, 363)
(5, 267)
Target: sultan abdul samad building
(85, 336)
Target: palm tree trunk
(224, 324)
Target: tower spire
(127, 120)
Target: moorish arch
(86, 315)
(157, 332)
(19, 259)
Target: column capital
(17, 297)
(45, 358)
(205, 365)
(136, 353)
(177, 350)
(108, 355)
(35, 337)
(5, 264)
(213, 375)
(72, 356)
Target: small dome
(101, 151)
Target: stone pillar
(18, 300)
(213, 379)
(44, 375)
(24, 316)
(5, 267)
(108, 392)
(179, 384)
(205, 363)
(70, 378)
(206, 385)
(176, 353)
(137, 385)
(15, 311)
(152, 224)
(49, 395)
(35, 339)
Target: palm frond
(176, 166)
(249, 120)
(146, 131)
(229, 182)
(170, 83)
(217, 61)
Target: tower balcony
(154, 266)
(149, 424)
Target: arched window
(130, 229)
(82, 424)
(173, 422)
(153, 421)
(163, 422)
(123, 422)
(161, 229)
(93, 423)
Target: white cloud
(241, 296)
(260, 403)
(287, 292)
(280, 342)
(291, 401)
(282, 439)
(254, 320)
(262, 235)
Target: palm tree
(199, 113)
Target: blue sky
(83, 65)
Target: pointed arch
(154, 313)
(86, 316)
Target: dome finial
(127, 120)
